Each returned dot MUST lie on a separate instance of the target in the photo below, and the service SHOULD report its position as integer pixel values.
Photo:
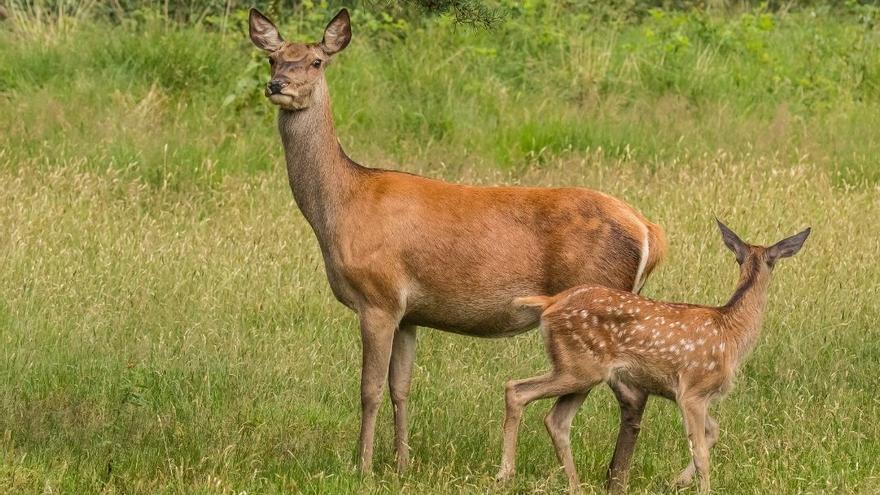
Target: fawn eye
(317, 63)
(271, 61)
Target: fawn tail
(541, 302)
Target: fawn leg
(632, 403)
(518, 393)
(377, 336)
(695, 413)
(403, 353)
(558, 423)
(687, 475)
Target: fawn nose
(274, 87)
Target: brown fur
(403, 250)
(640, 347)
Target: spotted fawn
(641, 347)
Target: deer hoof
(685, 478)
(504, 475)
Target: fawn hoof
(504, 475)
(686, 478)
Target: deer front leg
(403, 354)
(695, 414)
(632, 405)
(377, 336)
(687, 474)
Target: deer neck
(321, 176)
(744, 312)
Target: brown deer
(684, 352)
(404, 251)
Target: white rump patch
(640, 281)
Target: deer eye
(271, 61)
(317, 63)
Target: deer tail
(658, 247)
(653, 251)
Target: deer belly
(492, 315)
(489, 322)
(654, 384)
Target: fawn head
(297, 68)
(761, 257)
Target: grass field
(165, 322)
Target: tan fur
(641, 347)
(403, 250)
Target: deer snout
(275, 86)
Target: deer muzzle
(275, 86)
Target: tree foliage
(468, 12)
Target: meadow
(166, 325)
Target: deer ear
(787, 247)
(337, 34)
(733, 242)
(263, 33)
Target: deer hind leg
(403, 354)
(695, 420)
(632, 403)
(558, 423)
(687, 474)
(377, 336)
(518, 394)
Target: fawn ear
(787, 247)
(337, 34)
(263, 33)
(733, 242)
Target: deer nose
(275, 85)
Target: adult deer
(686, 353)
(404, 251)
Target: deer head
(297, 68)
(760, 257)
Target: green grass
(165, 322)
(144, 95)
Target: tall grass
(162, 342)
(166, 326)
